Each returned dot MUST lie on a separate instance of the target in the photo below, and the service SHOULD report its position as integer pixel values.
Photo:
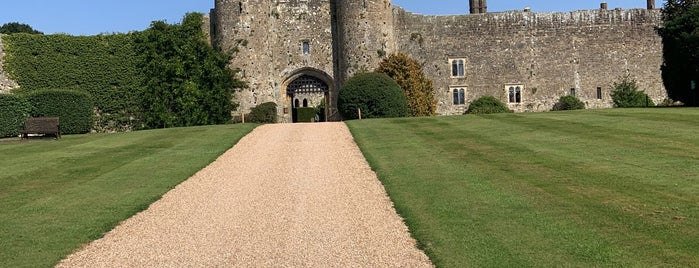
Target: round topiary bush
(265, 113)
(569, 103)
(487, 105)
(376, 94)
(73, 107)
(13, 110)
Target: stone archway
(306, 89)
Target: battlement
(536, 20)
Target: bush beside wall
(73, 107)
(13, 111)
(265, 113)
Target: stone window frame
(458, 94)
(512, 91)
(305, 47)
(573, 92)
(599, 93)
(457, 67)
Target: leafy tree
(487, 105)
(680, 35)
(376, 94)
(16, 27)
(625, 94)
(187, 82)
(417, 88)
(569, 103)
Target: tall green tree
(417, 88)
(187, 82)
(16, 27)
(680, 35)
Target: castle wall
(267, 39)
(546, 53)
(6, 84)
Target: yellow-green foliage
(416, 86)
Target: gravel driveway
(287, 195)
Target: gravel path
(287, 195)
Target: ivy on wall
(103, 66)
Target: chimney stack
(651, 4)
(484, 6)
(603, 6)
(473, 6)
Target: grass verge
(58, 195)
(616, 187)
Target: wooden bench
(42, 125)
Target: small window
(296, 103)
(306, 48)
(572, 92)
(459, 96)
(305, 102)
(514, 94)
(457, 67)
(599, 93)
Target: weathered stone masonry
(546, 55)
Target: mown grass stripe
(586, 188)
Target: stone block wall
(548, 54)
(6, 84)
(267, 38)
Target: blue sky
(89, 17)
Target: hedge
(13, 111)
(376, 94)
(263, 113)
(305, 114)
(103, 66)
(73, 107)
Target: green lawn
(57, 195)
(616, 187)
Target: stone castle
(298, 53)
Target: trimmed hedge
(569, 103)
(376, 94)
(73, 107)
(264, 113)
(13, 111)
(487, 105)
(305, 114)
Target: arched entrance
(308, 93)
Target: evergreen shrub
(265, 113)
(569, 103)
(626, 94)
(487, 105)
(376, 94)
(73, 107)
(13, 111)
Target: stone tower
(364, 35)
(478, 6)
